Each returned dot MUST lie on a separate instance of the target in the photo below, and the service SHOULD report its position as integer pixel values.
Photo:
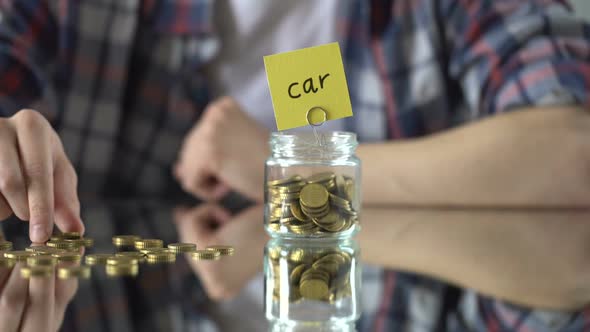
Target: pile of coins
(321, 203)
(313, 275)
(42, 260)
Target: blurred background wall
(582, 8)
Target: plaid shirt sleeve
(28, 42)
(507, 54)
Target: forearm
(536, 259)
(514, 159)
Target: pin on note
(305, 79)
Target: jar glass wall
(312, 283)
(312, 185)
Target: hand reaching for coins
(209, 224)
(37, 182)
(225, 151)
(37, 283)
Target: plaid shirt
(121, 81)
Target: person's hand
(225, 151)
(210, 224)
(37, 182)
(32, 305)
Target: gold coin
(329, 219)
(288, 220)
(205, 255)
(125, 240)
(182, 247)
(298, 255)
(349, 188)
(316, 213)
(122, 260)
(70, 257)
(43, 249)
(293, 178)
(63, 244)
(148, 250)
(297, 213)
(315, 273)
(340, 184)
(313, 289)
(337, 257)
(223, 250)
(321, 177)
(161, 257)
(132, 254)
(97, 259)
(43, 271)
(330, 267)
(18, 255)
(66, 272)
(303, 229)
(70, 235)
(275, 227)
(314, 196)
(5, 245)
(148, 243)
(338, 226)
(7, 262)
(88, 242)
(122, 270)
(77, 243)
(340, 202)
(39, 260)
(296, 273)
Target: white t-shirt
(251, 29)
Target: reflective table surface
(170, 297)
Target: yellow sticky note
(304, 79)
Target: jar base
(281, 326)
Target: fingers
(38, 315)
(67, 204)
(12, 182)
(34, 139)
(196, 179)
(5, 210)
(194, 225)
(13, 300)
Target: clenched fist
(225, 151)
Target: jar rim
(329, 137)
(333, 144)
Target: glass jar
(313, 284)
(312, 185)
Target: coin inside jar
(314, 196)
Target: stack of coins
(5, 245)
(222, 250)
(314, 275)
(119, 266)
(125, 242)
(322, 203)
(43, 259)
(69, 241)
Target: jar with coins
(312, 283)
(312, 185)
